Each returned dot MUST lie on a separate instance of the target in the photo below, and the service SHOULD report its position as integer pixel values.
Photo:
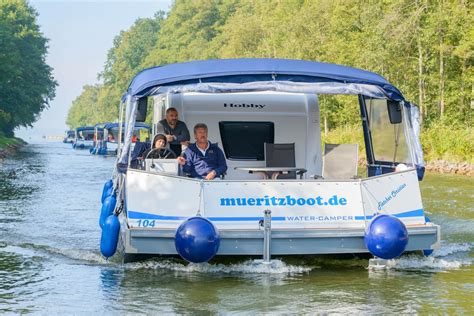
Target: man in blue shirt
(203, 159)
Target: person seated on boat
(158, 149)
(176, 131)
(203, 159)
(137, 153)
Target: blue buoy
(102, 151)
(81, 146)
(386, 237)
(107, 190)
(427, 252)
(197, 240)
(107, 209)
(109, 237)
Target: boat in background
(107, 137)
(84, 137)
(283, 195)
(98, 139)
(70, 136)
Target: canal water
(50, 261)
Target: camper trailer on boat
(284, 192)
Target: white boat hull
(331, 221)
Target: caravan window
(245, 140)
(388, 140)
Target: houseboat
(84, 137)
(284, 193)
(108, 141)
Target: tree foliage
(424, 47)
(26, 81)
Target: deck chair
(281, 155)
(340, 161)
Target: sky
(80, 33)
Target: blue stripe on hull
(140, 215)
(415, 213)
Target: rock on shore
(443, 166)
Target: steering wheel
(161, 153)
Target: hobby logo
(245, 105)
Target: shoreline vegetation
(417, 46)
(428, 57)
(26, 82)
(9, 146)
(446, 149)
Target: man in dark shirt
(203, 159)
(176, 131)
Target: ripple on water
(275, 266)
(20, 280)
(448, 257)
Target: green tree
(84, 110)
(417, 45)
(26, 81)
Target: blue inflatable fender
(107, 209)
(81, 146)
(386, 237)
(197, 240)
(107, 190)
(110, 235)
(102, 151)
(91, 149)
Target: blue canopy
(255, 70)
(83, 128)
(100, 126)
(116, 125)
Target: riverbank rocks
(443, 166)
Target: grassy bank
(8, 145)
(452, 144)
(6, 142)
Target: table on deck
(272, 172)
